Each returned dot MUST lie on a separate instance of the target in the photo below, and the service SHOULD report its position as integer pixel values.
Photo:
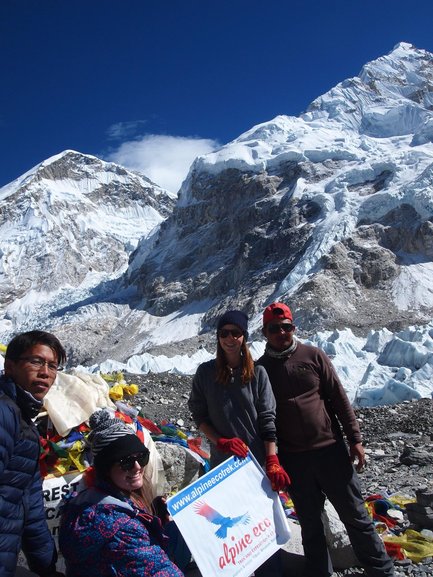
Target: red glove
(234, 446)
(276, 474)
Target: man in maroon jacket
(313, 411)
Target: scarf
(282, 354)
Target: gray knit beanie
(111, 439)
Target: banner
(230, 518)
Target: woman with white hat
(107, 529)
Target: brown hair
(143, 496)
(224, 374)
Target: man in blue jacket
(31, 363)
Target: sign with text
(53, 490)
(230, 518)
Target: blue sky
(151, 84)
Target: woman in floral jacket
(106, 529)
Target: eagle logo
(216, 518)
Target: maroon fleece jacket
(311, 401)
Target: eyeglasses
(128, 463)
(39, 363)
(235, 333)
(276, 328)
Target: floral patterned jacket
(106, 535)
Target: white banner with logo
(230, 518)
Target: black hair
(24, 341)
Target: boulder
(181, 466)
(424, 496)
(419, 515)
(416, 456)
(340, 549)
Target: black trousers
(272, 567)
(328, 472)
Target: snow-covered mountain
(67, 229)
(331, 211)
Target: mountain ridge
(78, 218)
(307, 209)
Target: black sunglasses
(286, 327)
(235, 333)
(128, 463)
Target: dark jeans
(272, 567)
(328, 472)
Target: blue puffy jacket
(22, 515)
(103, 534)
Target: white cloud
(164, 159)
(124, 130)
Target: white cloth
(154, 469)
(73, 398)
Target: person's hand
(234, 446)
(276, 474)
(357, 456)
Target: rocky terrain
(163, 396)
(399, 443)
(398, 440)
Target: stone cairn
(421, 512)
